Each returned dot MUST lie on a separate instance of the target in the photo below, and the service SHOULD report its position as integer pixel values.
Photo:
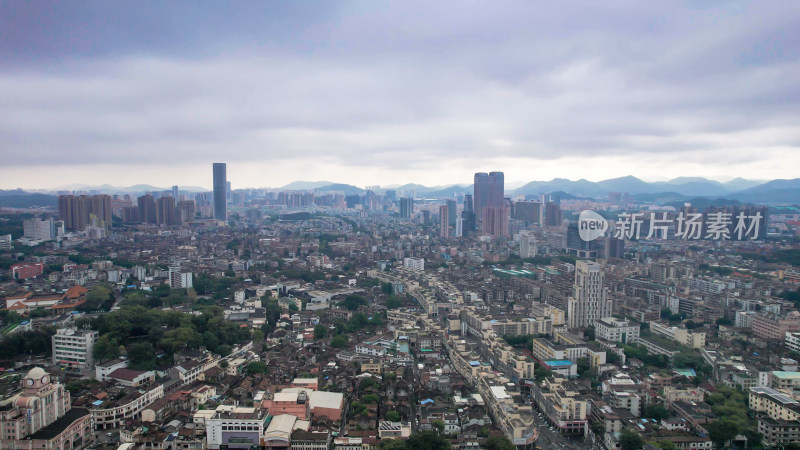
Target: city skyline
(659, 91)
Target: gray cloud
(365, 85)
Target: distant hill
(22, 199)
(305, 185)
(775, 185)
(450, 192)
(109, 189)
(581, 187)
(348, 189)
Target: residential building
(589, 302)
(416, 264)
(73, 348)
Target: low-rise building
(617, 330)
(73, 348)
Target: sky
(380, 93)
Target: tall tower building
(406, 207)
(480, 190)
(496, 188)
(589, 302)
(491, 211)
(220, 191)
(444, 222)
(175, 193)
(452, 212)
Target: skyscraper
(220, 191)
(589, 302)
(490, 208)
(406, 207)
(452, 211)
(444, 222)
(481, 195)
(496, 188)
(175, 194)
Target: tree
(255, 367)
(630, 440)
(583, 366)
(427, 440)
(320, 331)
(393, 416)
(224, 364)
(439, 425)
(339, 341)
(393, 302)
(722, 430)
(370, 399)
(665, 445)
(352, 302)
(499, 443)
(100, 297)
(293, 307)
(656, 412)
(142, 357)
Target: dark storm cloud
(366, 83)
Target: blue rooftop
(558, 363)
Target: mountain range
(773, 192)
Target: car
(109, 434)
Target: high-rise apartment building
(186, 211)
(552, 215)
(528, 212)
(444, 221)
(165, 211)
(527, 245)
(76, 211)
(220, 191)
(495, 221)
(589, 302)
(175, 193)
(147, 209)
(406, 207)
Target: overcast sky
(389, 93)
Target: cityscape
(399, 226)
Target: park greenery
(144, 334)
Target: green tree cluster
(26, 343)
(146, 330)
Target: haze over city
(407, 92)
(402, 225)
